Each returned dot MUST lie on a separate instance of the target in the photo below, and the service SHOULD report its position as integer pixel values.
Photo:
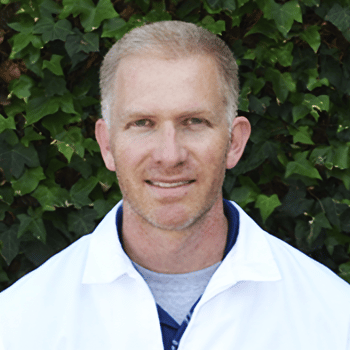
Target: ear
(102, 137)
(239, 138)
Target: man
(174, 266)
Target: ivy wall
(294, 178)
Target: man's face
(169, 138)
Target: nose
(169, 149)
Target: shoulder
(60, 268)
(297, 269)
(293, 261)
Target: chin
(175, 219)
(171, 225)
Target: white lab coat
(265, 295)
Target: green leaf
(51, 196)
(317, 102)
(229, 5)
(283, 15)
(6, 194)
(344, 271)
(3, 274)
(255, 83)
(81, 222)
(30, 135)
(54, 64)
(17, 106)
(32, 223)
(259, 106)
(10, 244)
(157, 15)
(295, 203)
(52, 30)
(54, 85)
(20, 41)
(76, 7)
(209, 23)
(90, 16)
(187, 7)
(25, 24)
(106, 178)
(13, 159)
(343, 175)
(322, 221)
(144, 5)
(66, 103)
(243, 195)
(340, 17)
(240, 3)
(82, 165)
(80, 191)
(302, 134)
(28, 181)
(91, 145)
(4, 207)
(265, 27)
(312, 37)
(21, 87)
(282, 83)
(311, 104)
(7, 123)
(103, 206)
(267, 205)
(114, 28)
(311, 2)
(284, 54)
(39, 107)
(81, 42)
(55, 123)
(302, 166)
(48, 7)
(72, 139)
(65, 149)
(299, 112)
(341, 155)
(37, 252)
(60, 31)
(44, 25)
(314, 79)
(243, 98)
(286, 15)
(30, 7)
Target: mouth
(169, 184)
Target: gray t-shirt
(176, 293)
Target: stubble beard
(127, 200)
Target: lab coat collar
(106, 259)
(250, 258)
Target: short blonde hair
(172, 40)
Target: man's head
(168, 139)
(172, 40)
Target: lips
(165, 184)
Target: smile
(169, 184)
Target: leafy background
(294, 178)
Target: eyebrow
(128, 115)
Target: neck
(175, 252)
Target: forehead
(166, 86)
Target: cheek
(129, 156)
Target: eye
(194, 121)
(143, 123)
